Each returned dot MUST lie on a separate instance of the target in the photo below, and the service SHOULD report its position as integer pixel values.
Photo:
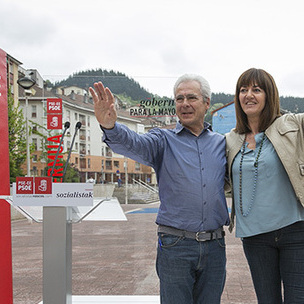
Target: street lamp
(26, 83)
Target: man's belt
(201, 236)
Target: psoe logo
(33, 185)
(54, 121)
(24, 185)
(43, 185)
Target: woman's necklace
(255, 178)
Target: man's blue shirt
(190, 172)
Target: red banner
(6, 286)
(54, 113)
(54, 121)
(54, 106)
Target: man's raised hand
(104, 105)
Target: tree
(208, 117)
(71, 175)
(17, 140)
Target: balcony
(82, 153)
(83, 124)
(109, 154)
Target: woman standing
(266, 167)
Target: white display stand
(57, 239)
(61, 194)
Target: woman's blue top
(274, 204)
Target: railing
(145, 185)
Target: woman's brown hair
(272, 104)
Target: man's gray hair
(205, 88)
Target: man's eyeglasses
(190, 98)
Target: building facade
(90, 156)
(223, 118)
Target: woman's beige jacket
(286, 134)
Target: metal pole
(126, 178)
(57, 255)
(28, 165)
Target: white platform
(114, 300)
(107, 211)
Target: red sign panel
(54, 113)
(54, 121)
(24, 185)
(54, 106)
(43, 185)
(33, 185)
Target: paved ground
(113, 258)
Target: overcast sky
(156, 41)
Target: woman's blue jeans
(277, 258)
(190, 272)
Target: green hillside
(119, 83)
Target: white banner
(63, 194)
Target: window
(108, 152)
(44, 108)
(35, 171)
(82, 134)
(34, 141)
(82, 149)
(108, 165)
(137, 166)
(76, 160)
(35, 158)
(116, 163)
(89, 163)
(34, 111)
(11, 77)
(83, 163)
(82, 120)
(76, 116)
